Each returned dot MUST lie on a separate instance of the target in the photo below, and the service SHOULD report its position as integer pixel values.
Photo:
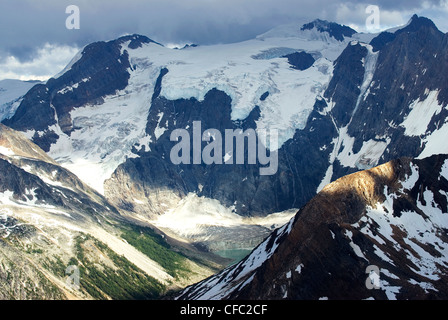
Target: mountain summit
(340, 103)
(336, 31)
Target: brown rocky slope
(376, 234)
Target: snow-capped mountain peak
(340, 101)
(318, 29)
(338, 106)
(334, 30)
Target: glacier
(104, 134)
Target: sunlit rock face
(390, 220)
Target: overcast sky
(35, 43)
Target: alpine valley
(86, 178)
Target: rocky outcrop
(60, 239)
(300, 60)
(99, 70)
(391, 219)
(367, 99)
(32, 176)
(364, 116)
(334, 30)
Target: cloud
(48, 61)
(356, 16)
(27, 26)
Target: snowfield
(104, 134)
(205, 220)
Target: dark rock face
(381, 40)
(32, 186)
(34, 113)
(238, 184)
(335, 30)
(327, 250)
(304, 159)
(101, 71)
(344, 87)
(406, 66)
(407, 69)
(20, 182)
(300, 60)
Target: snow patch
(6, 197)
(299, 268)
(72, 87)
(105, 134)
(366, 158)
(327, 178)
(369, 68)
(6, 151)
(354, 246)
(444, 170)
(417, 121)
(193, 213)
(435, 143)
(411, 179)
(416, 228)
(11, 94)
(158, 131)
(391, 291)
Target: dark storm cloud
(28, 25)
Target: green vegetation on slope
(155, 247)
(122, 281)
